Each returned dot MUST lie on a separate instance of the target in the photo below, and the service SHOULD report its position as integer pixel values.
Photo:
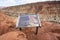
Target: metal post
(36, 30)
(20, 29)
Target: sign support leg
(36, 30)
(20, 29)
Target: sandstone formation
(49, 11)
(50, 19)
(14, 35)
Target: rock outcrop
(14, 35)
(49, 11)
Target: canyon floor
(8, 30)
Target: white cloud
(27, 1)
(7, 2)
(18, 2)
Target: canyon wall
(48, 11)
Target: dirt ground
(8, 30)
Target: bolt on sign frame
(28, 20)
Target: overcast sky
(18, 2)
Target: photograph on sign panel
(33, 20)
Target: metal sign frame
(39, 25)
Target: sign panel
(28, 20)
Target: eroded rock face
(49, 11)
(14, 35)
(8, 30)
(49, 31)
(6, 24)
(47, 36)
